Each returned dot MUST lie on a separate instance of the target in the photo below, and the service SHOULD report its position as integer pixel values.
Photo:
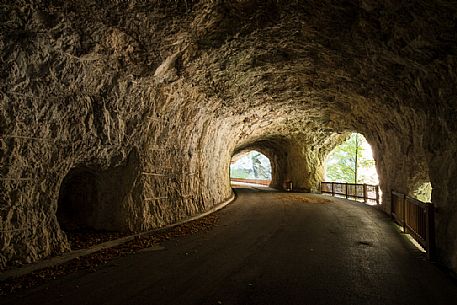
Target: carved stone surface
(139, 105)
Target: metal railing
(366, 192)
(416, 218)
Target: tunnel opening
(250, 167)
(352, 163)
(423, 192)
(78, 200)
(93, 202)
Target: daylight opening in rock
(352, 162)
(250, 166)
(424, 192)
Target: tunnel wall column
(304, 165)
(278, 172)
(441, 146)
(399, 153)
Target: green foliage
(240, 173)
(424, 192)
(340, 165)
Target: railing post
(346, 190)
(430, 231)
(377, 194)
(333, 189)
(365, 193)
(404, 212)
(392, 204)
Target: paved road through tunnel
(268, 248)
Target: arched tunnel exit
(250, 167)
(296, 161)
(352, 162)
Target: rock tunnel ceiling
(182, 85)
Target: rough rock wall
(76, 92)
(441, 155)
(184, 85)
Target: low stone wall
(255, 181)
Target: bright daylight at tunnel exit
(351, 168)
(250, 167)
(228, 152)
(352, 162)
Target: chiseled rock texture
(124, 115)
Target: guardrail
(416, 218)
(367, 192)
(255, 181)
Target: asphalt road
(268, 248)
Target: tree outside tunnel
(352, 162)
(251, 165)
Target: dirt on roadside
(93, 261)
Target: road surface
(268, 248)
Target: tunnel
(156, 97)
(95, 199)
(77, 202)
